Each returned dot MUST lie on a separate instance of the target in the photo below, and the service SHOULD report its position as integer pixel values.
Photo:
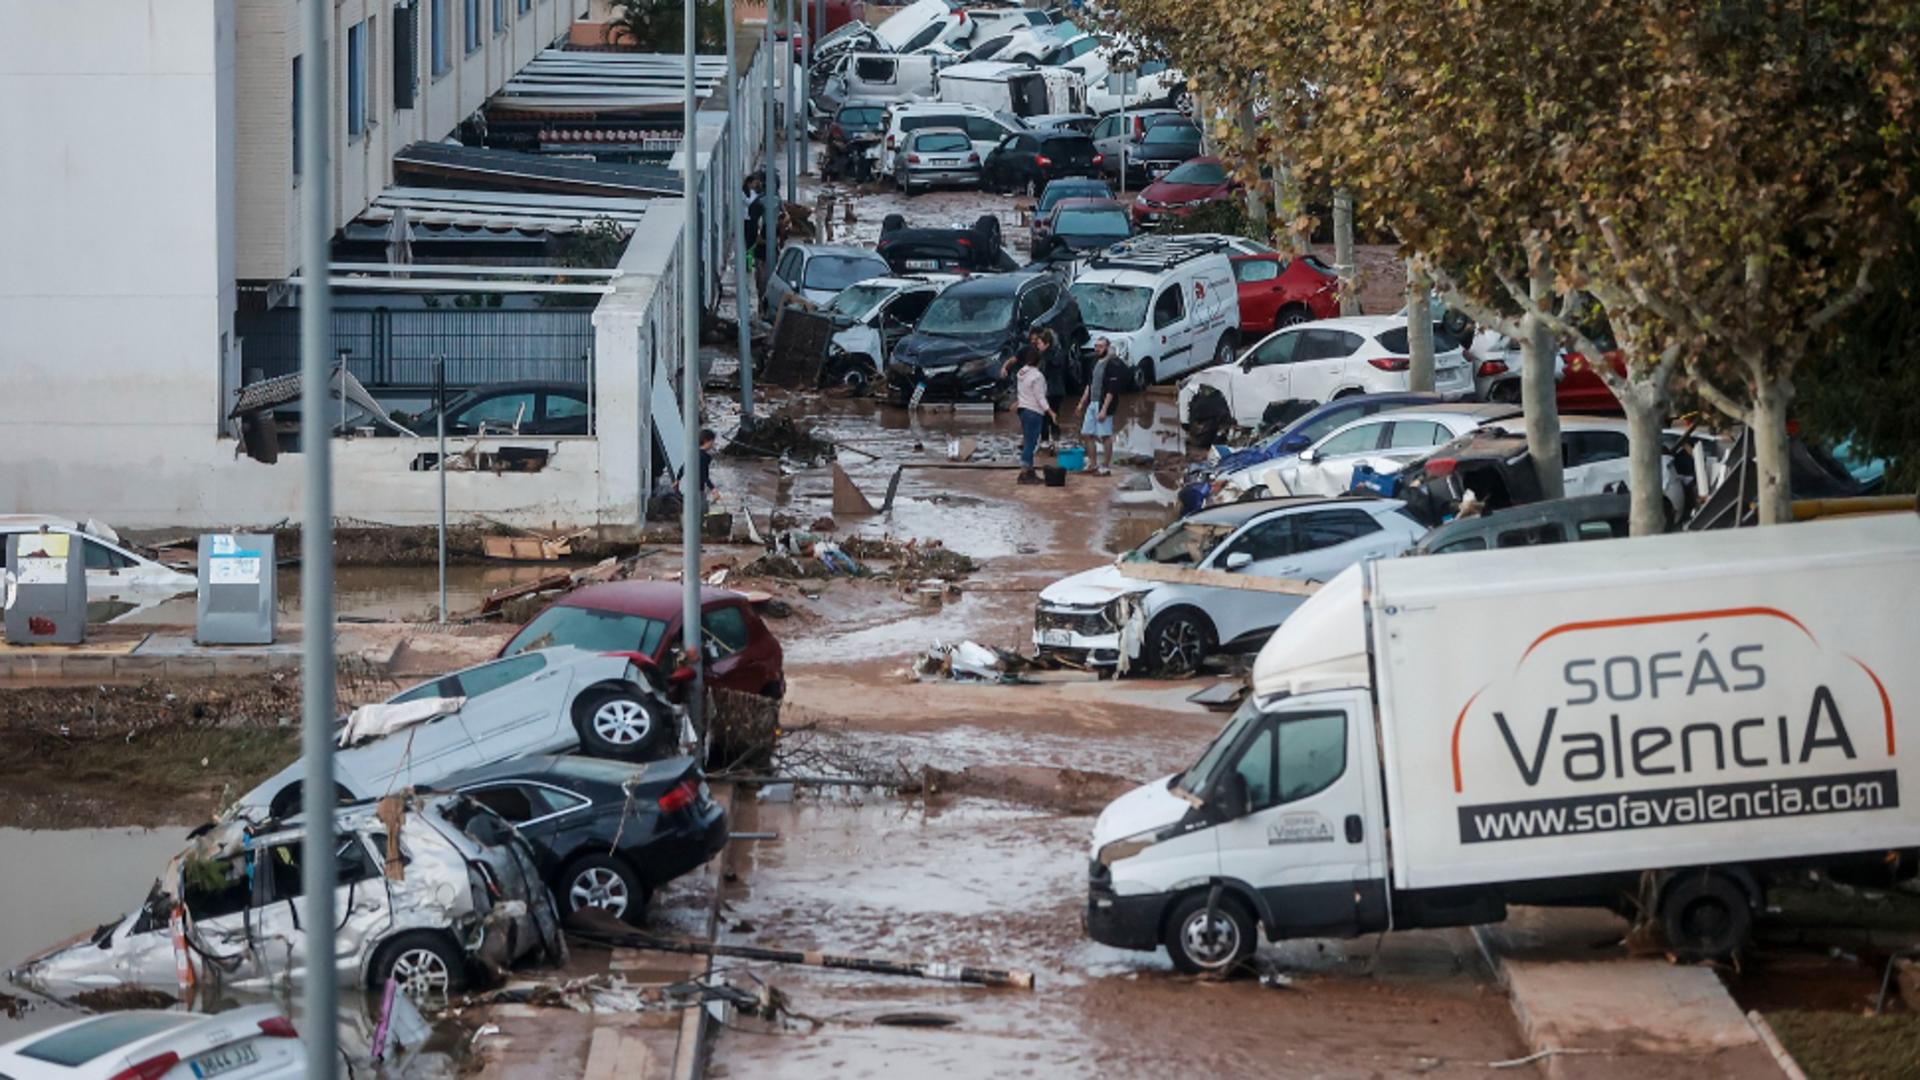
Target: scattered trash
(534, 547)
(122, 998)
(778, 436)
(847, 499)
(966, 661)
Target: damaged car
(606, 834)
(431, 889)
(958, 351)
(607, 704)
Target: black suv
(957, 349)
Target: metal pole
(736, 149)
(788, 86)
(770, 206)
(320, 1026)
(1126, 133)
(440, 460)
(692, 492)
(806, 83)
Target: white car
(1384, 442)
(985, 128)
(869, 319)
(1168, 627)
(919, 25)
(114, 572)
(1322, 360)
(256, 1042)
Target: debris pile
(781, 435)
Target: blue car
(1291, 439)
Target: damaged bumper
(1082, 635)
(1124, 922)
(952, 382)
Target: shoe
(1028, 476)
(1103, 471)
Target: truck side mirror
(1230, 799)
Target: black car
(958, 348)
(1163, 147)
(514, 408)
(605, 833)
(1078, 226)
(943, 251)
(1026, 161)
(1073, 187)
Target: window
(1169, 308)
(356, 81)
(436, 688)
(1256, 769)
(907, 308)
(1327, 528)
(1270, 539)
(1107, 128)
(500, 673)
(1470, 543)
(526, 6)
(1250, 270)
(1416, 433)
(510, 801)
(1280, 349)
(1198, 172)
(1395, 340)
(1327, 345)
(1355, 440)
(790, 265)
(1313, 754)
(586, 628)
(351, 864)
(406, 54)
(502, 411)
(206, 900)
(471, 24)
(725, 629)
(1036, 302)
(440, 36)
(942, 142)
(874, 69)
(833, 272)
(925, 37)
(565, 407)
(1602, 529)
(499, 16)
(1321, 426)
(101, 557)
(74, 1046)
(981, 129)
(1530, 536)
(297, 95)
(1588, 447)
(986, 49)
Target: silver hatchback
(936, 156)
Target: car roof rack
(1154, 254)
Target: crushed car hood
(938, 350)
(1092, 588)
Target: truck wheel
(1705, 916)
(1176, 642)
(1213, 947)
(620, 724)
(426, 964)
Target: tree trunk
(1647, 498)
(1286, 208)
(1256, 200)
(1343, 253)
(1419, 328)
(1537, 388)
(1771, 457)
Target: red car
(1277, 291)
(1581, 389)
(644, 617)
(1191, 183)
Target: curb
(696, 1025)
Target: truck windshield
(1195, 780)
(1111, 307)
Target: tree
(659, 25)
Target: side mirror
(1230, 800)
(1309, 455)
(1246, 362)
(1239, 560)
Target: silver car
(547, 701)
(931, 157)
(813, 274)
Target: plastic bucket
(1072, 458)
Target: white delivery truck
(1655, 725)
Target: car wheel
(1176, 643)
(1223, 352)
(425, 963)
(1292, 315)
(620, 724)
(1182, 101)
(1350, 391)
(604, 882)
(1212, 943)
(1146, 372)
(290, 800)
(1506, 392)
(1705, 916)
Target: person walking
(1096, 408)
(1030, 398)
(1053, 365)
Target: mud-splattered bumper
(1124, 922)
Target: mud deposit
(980, 882)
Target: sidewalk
(1594, 1012)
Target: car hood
(1092, 588)
(1148, 807)
(1161, 191)
(939, 350)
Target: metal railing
(388, 349)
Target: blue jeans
(1030, 424)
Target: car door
(1320, 365)
(1265, 378)
(110, 572)
(1257, 279)
(1262, 548)
(1173, 346)
(1593, 460)
(360, 906)
(1327, 541)
(786, 275)
(1035, 302)
(419, 754)
(515, 706)
(723, 633)
(897, 317)
(985, 132)
(563, 413)
(1332, 460)
(1303, 841)
(1406, 441)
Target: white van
(984, 128)
(1674, 720)
(1169, 301)
(1020, 89)
(883, 76)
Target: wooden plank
(1218, 579)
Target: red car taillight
(1492, 367)
(1098, 158)
(682, 796)
(1441, 466)
(278, 1027)
(1390, 363)
(1043, 161)
(151, 1069)
(973, 158)
(890, 142)
(913, 159)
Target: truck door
(1307, 842)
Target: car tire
(1351, 391)
(621, 724)
(1176, 642)
(1223, 352)
(1181, 100)
(1292, 315)
(288, 802)
(1506, 392)
(1215, 948)
(605, 882)
(892, 223)
(1705, 916)
(426, 963)
(1146, 372)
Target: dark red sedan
(1191, 183)
(1278, 290)
(644, 617)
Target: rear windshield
(935, 142)
(855, 301)
(1111, 222)
(1173, 133)
(77, 1045)
(1395, 340)
(1197, 172)
(967, 315)
(1111, 307)
(836, 272)
(585, 628)
(866, 116)
(1067, 143)
(1085, 190)
(915, 123)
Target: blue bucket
(1072, 458)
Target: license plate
(946, 161)
(1158, 171)
(1056, 637)
(223, 1061)
(923, 264)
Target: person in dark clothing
(1053, 365)
(707, 488)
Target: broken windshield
(1183, 543)
(1111, 307)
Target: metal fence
(388, 349)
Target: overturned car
(432, 888)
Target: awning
(529, 173)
